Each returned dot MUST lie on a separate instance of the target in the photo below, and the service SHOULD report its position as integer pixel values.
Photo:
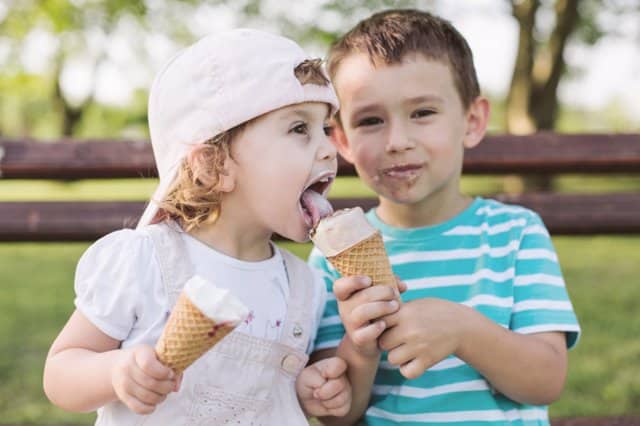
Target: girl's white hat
(219, 82)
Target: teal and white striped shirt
(496, 258)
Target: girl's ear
(477, 120)
(227, 179)
(340, 141)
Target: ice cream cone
(189, 333)
(354, 247)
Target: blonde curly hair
(193, 198)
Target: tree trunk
(532, 101)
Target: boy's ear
(340, 141)
(477, 121)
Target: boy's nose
(398, 139)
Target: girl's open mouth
(313, 202)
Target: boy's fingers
(371, 311)
(412, 369)
(364, 335)
(148, 362)
(402, 286)
(344, 287)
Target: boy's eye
(422, 113)
(300, 128)
(369, 121)
(328, 130)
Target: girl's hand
(142, 382)
(323, 388)
(361, 307)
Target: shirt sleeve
(108, 281)
(330, 330)
(541, 302)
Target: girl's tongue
(314, 207)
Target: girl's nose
(327, 151)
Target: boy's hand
(422, 333)
(361, 307)
(141, 381)
(323, 388)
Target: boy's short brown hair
(193, 199)
(388, 37)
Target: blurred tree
(532, 101)
(75, 30)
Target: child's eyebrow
(425, 98)
(299, 113)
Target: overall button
(297, 331)
(290, 363)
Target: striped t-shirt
(496, 258)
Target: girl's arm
(85, 370)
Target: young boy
(482, 334)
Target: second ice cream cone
(203, 315)
(188, 335)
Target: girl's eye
(369, 121)
(327, 130)
(422, 113)
(300, 129)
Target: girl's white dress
(127, 283)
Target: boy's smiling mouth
(313, 203)
(403, 171)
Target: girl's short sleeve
(110, 280)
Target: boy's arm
(85, 370)
(361, 306)
(526, 368)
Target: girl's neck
(234, 239)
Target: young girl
(237, 124)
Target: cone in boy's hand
(202, 316)
(353, 246)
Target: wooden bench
(539, 154)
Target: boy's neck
(436, 209)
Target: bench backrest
(538, 154)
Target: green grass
(36, 297)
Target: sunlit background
(81, 69)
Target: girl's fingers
(144, 381)
(329, 390)
(340, 401)
(148, 362)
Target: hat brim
(158, 195)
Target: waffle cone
(369, 258)
(187, 335)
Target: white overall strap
(175, 266)
(296, 330)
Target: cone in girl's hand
(202, 316)
(353, 246)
